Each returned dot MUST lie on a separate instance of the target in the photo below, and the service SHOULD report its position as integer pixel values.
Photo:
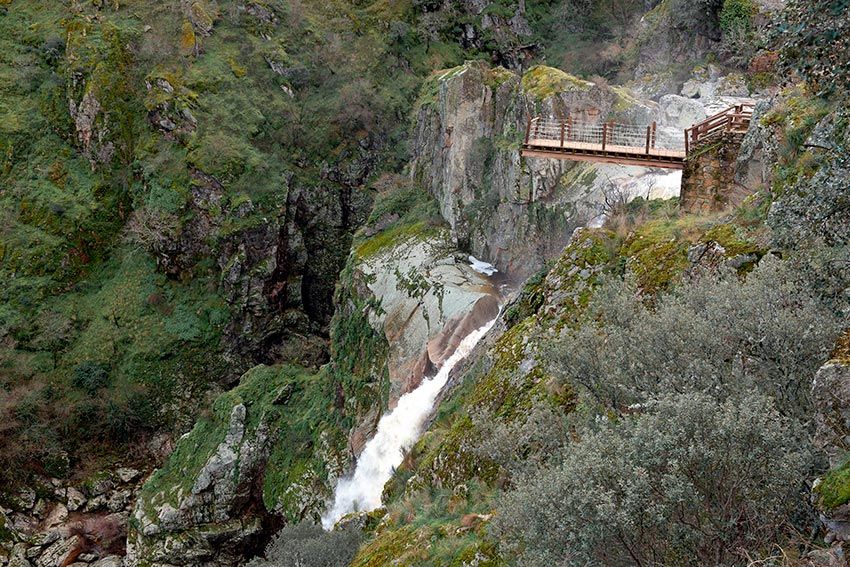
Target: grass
(541, 82)
(834, 489)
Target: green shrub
(126, 418)
(308, 545)
(736, 17)
(716, 334)
(690, 482)
(90, 376)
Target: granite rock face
(58, 523)
(212, 523)
(831, 396)
(512, 211)
(429, 298)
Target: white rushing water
(481, 266)
(397, 432)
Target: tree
(698, 16)
(618, 16)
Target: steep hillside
(236, 233)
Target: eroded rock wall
(512, 211)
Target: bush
(126, 418)
(715, 334)
(308, 545)
(736, 24)
(90, 377)
(692, 482)
(737, 16)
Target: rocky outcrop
(279, 274)
(759, 151)
(511, 211)
(426, 298)
(667, 39)
(205, 507)
(53, 523)
(831, 397)
(91, 135)
(484, 25)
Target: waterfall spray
(397, 432)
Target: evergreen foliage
(308, 545)
(689, 480)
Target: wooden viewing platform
(625, 144)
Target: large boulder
(831, 398)
(427, 298)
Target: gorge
(278, 287)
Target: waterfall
(397, 432)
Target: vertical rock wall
(512, 211)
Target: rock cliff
(511, 211)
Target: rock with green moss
(831, 397)
(210, 503)
(406, 299)
(429, 298)
(514, 212)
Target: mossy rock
(405, 546)
(454, 461)
(834, 488)
(542, 82)
(657, 255)
(733, 239)
(278, 397)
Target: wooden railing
(568, 133)
(627, 144)
(735, 119)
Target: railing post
(563, 128)
(528, 130)
(687, 145)
(604, 135)
(654, 129)
(648, 135)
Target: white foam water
(397, 432)
(481, 266)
